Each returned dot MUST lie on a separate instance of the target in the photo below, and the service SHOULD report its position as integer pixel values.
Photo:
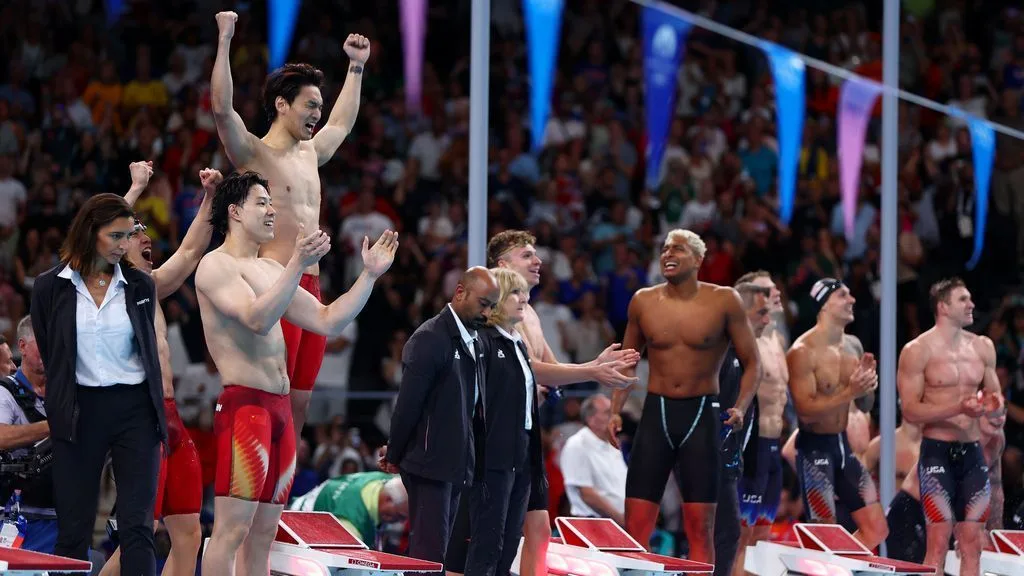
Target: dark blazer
(506, 398)
(54, 306)
(432, 424)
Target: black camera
(27, 463)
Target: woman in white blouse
(93, 318)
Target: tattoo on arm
(853, 345)
(355, 69)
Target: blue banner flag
(788, 74)
(281, 17)
(543, 28)
(664, 44)
(983, 145)
(113, 10)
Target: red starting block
(18, 562)
(1003, 556)
(318, 544)
(823, 549)
(600, 547)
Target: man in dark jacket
(440, 403)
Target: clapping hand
(378, 258)
(310, 249)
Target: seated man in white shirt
(593, 469)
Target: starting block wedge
(18, 562)
(1003, 555)
(318, 544)
(823, 549)
(600, 547)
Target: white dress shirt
(469, 339)
(107, 352)
(527, 374)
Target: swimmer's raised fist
(226, 24)
(357, 47)
(210, 178)
(378, 258)
(310, 249)
(141, 172)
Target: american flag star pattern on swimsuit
(819, 492)
(935, 500)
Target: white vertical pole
(890, 231)
(479, 93)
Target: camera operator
(22, 426)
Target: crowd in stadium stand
(80, 100)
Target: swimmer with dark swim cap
(829, 370)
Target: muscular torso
(773, 389)
(833, 366)
(294, 179)
(163, 349)
(952, 374)
(685, 340)
(242, 356)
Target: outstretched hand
(141, 172)
(613, 354)
(357, 48)
(610, 375)
(378, 258)
(210, 179)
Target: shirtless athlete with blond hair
(687, 327)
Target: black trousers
(120, 420)
(727, 525)
(432, 507)
(485, 537)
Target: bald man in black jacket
(440, 411)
